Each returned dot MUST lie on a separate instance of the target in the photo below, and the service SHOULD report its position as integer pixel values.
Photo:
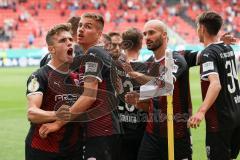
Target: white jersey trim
(203, 77)
(29, 94)
(98, 78)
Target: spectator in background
(31, 39)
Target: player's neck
(210, 39)
(132, 55)
(160, 52)
(85, 47)
(64, 67)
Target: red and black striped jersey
(102, 116)
(57, 89)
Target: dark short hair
(211, 20)
(55, 30)
(111, 34)
(132, 38)
(74, 22)
(96, 17)
(107, 37)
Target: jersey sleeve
(93, 66)
(179, 66)
(208, 64)
(36, 84)
(191, 57)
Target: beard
(154, 45)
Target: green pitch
(14, 124)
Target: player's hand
(127, 67)
(195, 120)
(63, 113)
(47, 128)
(228, 39)
(132, 98)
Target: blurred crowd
(119, 12)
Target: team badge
(91, 67)
(33, 86)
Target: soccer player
(133, 119)
(220, 91)
(47, 91)
(105, 40)
(102, 131)
(77, 49)
(154, 143)
(116, 41)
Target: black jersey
(219, 59)
(57, 89)
(191, 58)
(157, 120)
(133, 119)
(103, 118)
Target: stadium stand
(23, 23)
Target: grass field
(14, 124)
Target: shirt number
(232, 74)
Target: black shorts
(102, 148)
(223, 144)
(130, 145)
(156, 148)
(35, 154)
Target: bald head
(155, 34)
(157, 24)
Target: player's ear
(51, 49)
(203, 29)
(164, 34)
(99, 34)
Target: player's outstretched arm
(212, 94)
(35, 114)
(139, 77)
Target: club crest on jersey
(33, 86)
(91, 67)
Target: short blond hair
(96, 17)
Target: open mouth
(80, 36)
(70, 52)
